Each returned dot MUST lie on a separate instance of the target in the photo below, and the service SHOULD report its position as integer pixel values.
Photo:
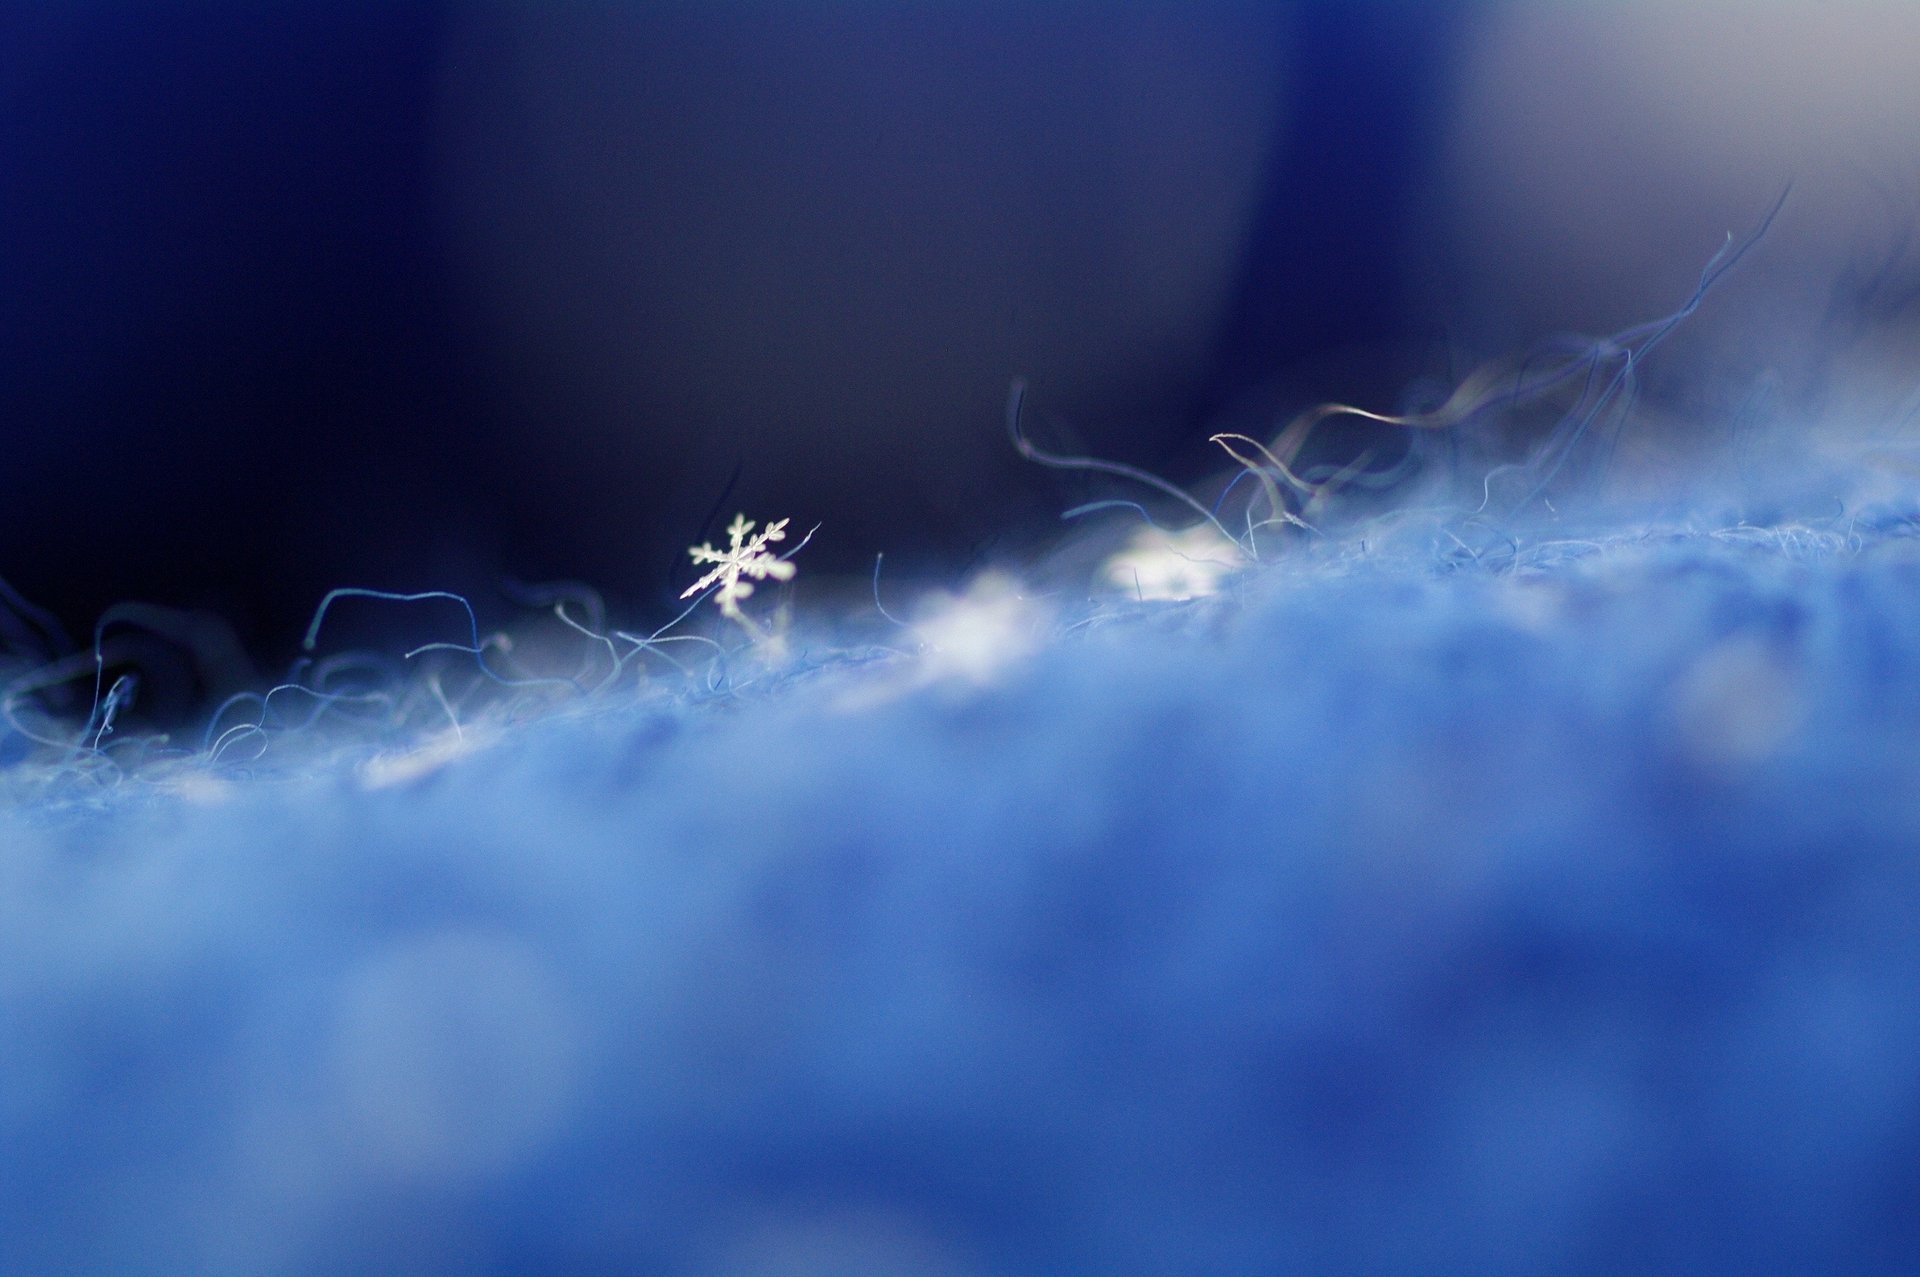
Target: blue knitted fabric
(1549, 907)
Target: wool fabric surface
(1516, 905)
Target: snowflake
(743, 558)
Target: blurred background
(427, 293)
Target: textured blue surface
(1554, 911)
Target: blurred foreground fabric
(1432, 902)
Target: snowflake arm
(745, 557)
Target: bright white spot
(386, 770)
(976, 636)
(199, 788)
(1160, 565)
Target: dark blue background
(239, 366)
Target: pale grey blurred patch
(1600, 153)
(454, 1057)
